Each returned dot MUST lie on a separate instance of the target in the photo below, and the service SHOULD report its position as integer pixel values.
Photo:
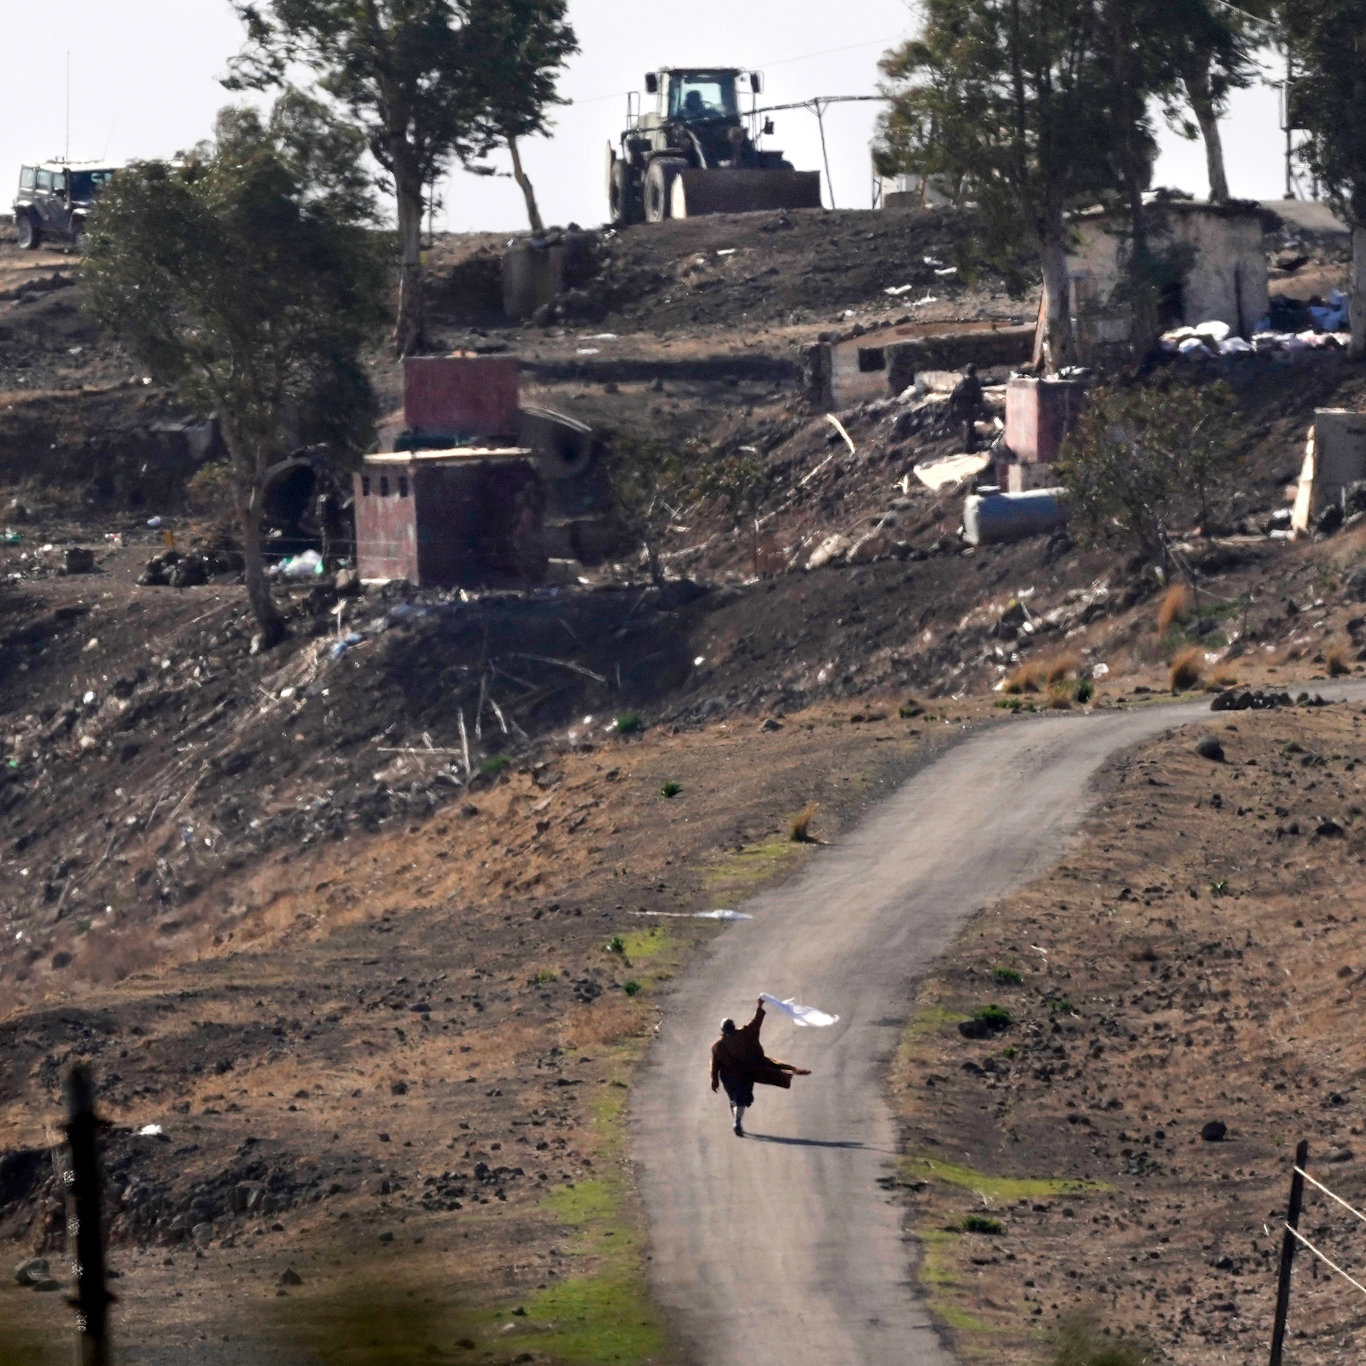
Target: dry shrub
(1059, 696)
(607, 1021)
(1175, 606)
(1061, 667)
(209, 489)
(1186, 669)
(1223, 679)
(799, 827)
(1079, 1340)
(1338, 662)
(1026, 678)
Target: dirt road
(781, 1248)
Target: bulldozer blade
(743, 191)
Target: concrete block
(1039, 414)
(1334, 456)
(1024, 478)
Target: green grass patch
(641, 945)
(1011, 977)
(754, 864)
(492, 767)
(996, 1187)
(628, 723)
(630, 988)
(671, 789)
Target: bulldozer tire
(659, 187)
(623, 196)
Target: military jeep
(54, 199)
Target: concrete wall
(1224, 280)
(460, 395)
(1335, 456)
(843, 374)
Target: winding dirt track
(780, 1249)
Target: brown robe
(741, 1055)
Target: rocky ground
(383, 996)
(1181, 1002)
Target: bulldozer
(692, 154)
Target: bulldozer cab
(701, 96)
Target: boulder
(1215, 1131)
(830, 551)
(1208, 747)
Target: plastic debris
(801, 1015)
(11, 537)
(154, 523)
(151, 1131)
(309, 565)
(344, 644)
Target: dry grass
(1222, 679)
(1175, 606)
(1062, 667)
(1338, 662)
(1060, 696)
(799, 827)
(607, 1021)
(1187, 668)
(1027, 678)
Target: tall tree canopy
(249, 275)
(1211, 61)
(1327, 41)
(428, 81)
(1031, 108)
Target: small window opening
(403, 486)
(871, 358)
(365, 486)
(384, 486)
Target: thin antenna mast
(68, 107)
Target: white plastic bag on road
(801, 1015)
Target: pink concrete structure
(456, 396)
(1039, 414)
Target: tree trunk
(1059, 345)
(248, 488)
(410, 324)
(1202, 106)
(524, 182)
(1356, 290)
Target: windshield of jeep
(87, 184)
(697, 95)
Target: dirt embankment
(1182, 996)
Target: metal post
(92, 1299)
(1292, 1220)
(818, 107)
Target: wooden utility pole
(1292, 1219)
(85, 1222)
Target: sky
(144, 83)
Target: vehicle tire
(29, 235)
(623, 195)
(659, 187)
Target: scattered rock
(291, 1277)
(1329, 829)
(1338, 1155)
(1215, 1131)
(1208, 747)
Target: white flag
(802, 1015)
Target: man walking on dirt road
(738, 1061)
